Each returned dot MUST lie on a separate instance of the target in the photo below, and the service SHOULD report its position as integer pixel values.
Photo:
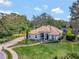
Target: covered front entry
(44, 36)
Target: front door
(47, 37)
(42, 36)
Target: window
(52, 36)
(47, 36)
(35, 36)
(42, 35)
(29, 36)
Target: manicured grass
(47, 51)
(9, 56)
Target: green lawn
(47, 51)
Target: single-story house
(45, 33)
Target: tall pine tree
(74, 12)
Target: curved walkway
(25, 45)
(9, 44)
(2, 55)
(8, 47)
(13, 42)
(13, 53)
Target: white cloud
(45, 6)
(68, 16)
(57, 18)
(61, 19)
(57, 10)
(8, 12)
(6, 2)
(37, 9)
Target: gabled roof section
(48, 29)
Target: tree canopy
(13, 23)
(74, 12)
(45, 19)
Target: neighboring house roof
(48, 29)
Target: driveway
(13, 42)
(8, 44)
(2, 55)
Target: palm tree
(27, 29)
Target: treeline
(12, 24)
(45, 19)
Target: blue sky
(58, 9)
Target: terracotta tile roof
(48, 29)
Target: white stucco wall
(33, 36)
(51, 37)
(56, 37)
